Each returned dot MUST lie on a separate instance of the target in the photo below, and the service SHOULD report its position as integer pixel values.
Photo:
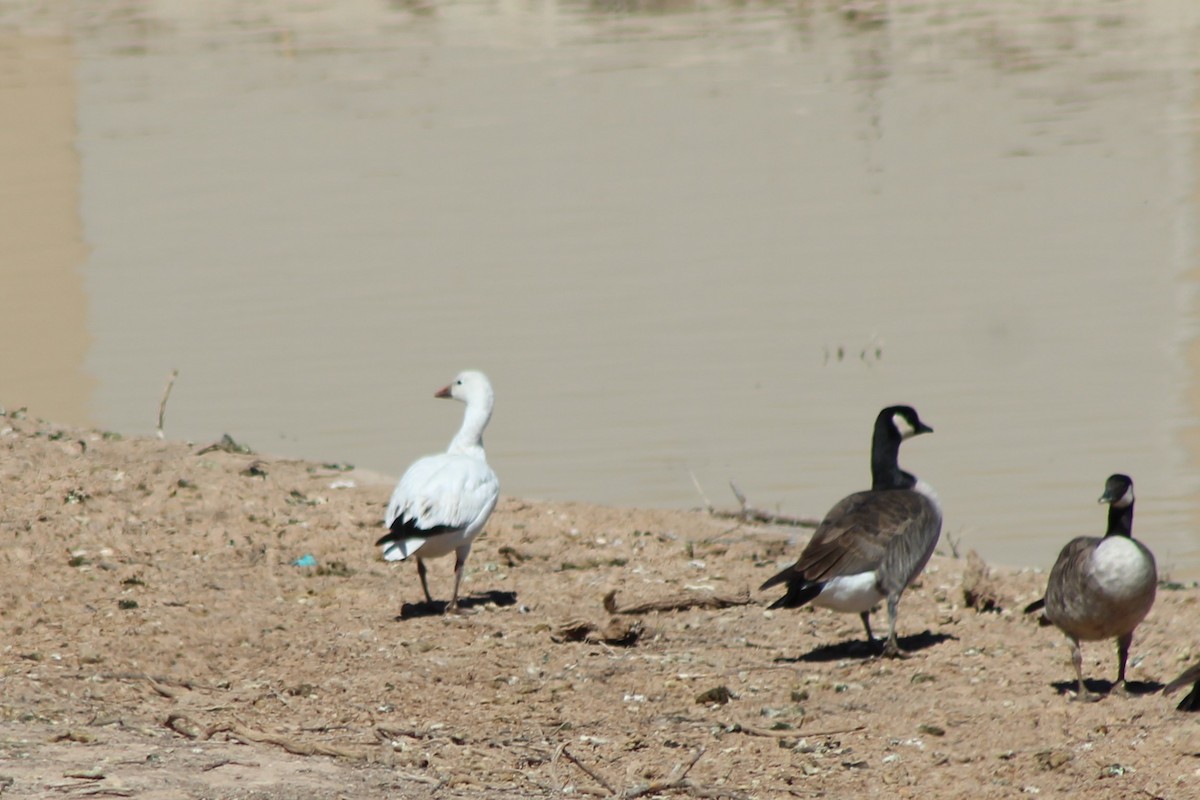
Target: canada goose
(444, 500)
(1102, 588)
(871, 544)
(1191, 675)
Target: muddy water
(706, 239)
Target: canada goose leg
(1123, 643)
(866, 618)
(1084, 696)
(424, 583)
(892, 648)
(460, 561)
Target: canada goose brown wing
(1069, 577)
(854, 535)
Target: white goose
(443, 501)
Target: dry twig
(185, 726)
(676, 780)
(565, 753)
(746, 513)
(678, 602)
(162, 404)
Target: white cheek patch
(1125, 500)
(903, 426)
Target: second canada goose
(1102, 588)
(1190, 675)
(871, 544)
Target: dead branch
(746, 513)
(225, 762)
(162, 404)
(246, 736)
(618, 632)
(678, 602)
(160, 680)
(737, 727)
(187, 727)
(392, 734)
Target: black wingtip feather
(1036, 605)
(402, 529)
(798, 593)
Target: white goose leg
(460, 560)
(424, 583)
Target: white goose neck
(469, 439)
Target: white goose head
(473, 388)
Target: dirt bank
(159, 641)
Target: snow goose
(443, 501)
(1102, 587)
(871, 544)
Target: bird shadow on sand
(438, 607)
(860, 649)
(1103, 687)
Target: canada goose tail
(1189, 675)
(1036, 605)
(798, 593)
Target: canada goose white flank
(443, 501)
(872, 544)
(1102, 587)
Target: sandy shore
(160, 641)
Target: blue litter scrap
(305, 561)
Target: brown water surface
(703, 238)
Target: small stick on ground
(708, 506)
(676, 780)
(246, 735)
(738, 727)
(225, 762)
(677, 602)
(162, 404)
(565, 753)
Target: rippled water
(706, 238)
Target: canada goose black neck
(1118, 493)
(885, 447)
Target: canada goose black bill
(1190, 675)
(871, 544)
(1102, 588)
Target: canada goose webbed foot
(892, 650)
(1084, 696)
